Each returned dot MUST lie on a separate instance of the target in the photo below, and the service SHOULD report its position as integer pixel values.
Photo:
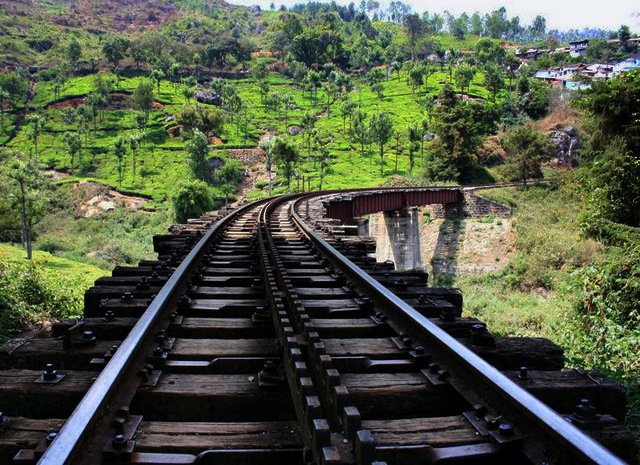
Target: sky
(560, 14)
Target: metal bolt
(155, 275)
(443, 375)
(480, 410)
(506, 430)
(88, 335)
(50, 373)
(418, 350)
(434, 367)
(158, 351)
(113, 349)
(119, 441)
(524, 373)
(160, 337)
(585, 409)
(173, 316)
(257, 282)
(123, 412)
(50, 437)
(109, 316)
(269, 366)
(127, 297)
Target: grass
(32, 292)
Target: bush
(191, 200)
(27, 295)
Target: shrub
(191, 200)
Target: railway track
(261, 336)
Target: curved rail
(104, 392)
(478, 372)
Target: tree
(378, 89)
(493, 80)
(156, 76)
(229, 174)
(455, 148)
(198, 151)
(624, 35)
(134, 145)
(381, 129)
(416, 74)
(539, 26)
(614, 148)
(415, 136)
(308, 122)
(286, 154)
(74, 51)
(415, 28)
(38, 123)
(114, 50)
(266, 146)
(191, 200)
(324, 166)
(143, 97)
(463, 76)
(360, 130)
(119, 150)
(526, 149)
(72, 140)
(28, 195)
(4, 98)
(205, 120)
(347, 108)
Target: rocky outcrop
(566, 144)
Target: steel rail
(580, 445)
(96, 404)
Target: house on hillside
(627, 65)
(578, 48)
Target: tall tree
(229, 174)
(360, 130)
(38, 123)
(157, 75)
(463, 76)
(526, 149)
(119, 151)
(114, 50)
(266, 146)
(198, 151)
(381, 129)
(415, 136)
(143, 97)
(324, 165)
(286, 153)
(74, 51)
(454, 153)
(28, 195)
(72, 140)
(614, 148)
(493, 80)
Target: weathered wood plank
(212, 398)
(191, 437)
(24, 433)
(207, 349)
(386, 395)
(21, 395)
(434, 432)
(36, 353)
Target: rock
(294, 130)
(567, 146)
(204, 96)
